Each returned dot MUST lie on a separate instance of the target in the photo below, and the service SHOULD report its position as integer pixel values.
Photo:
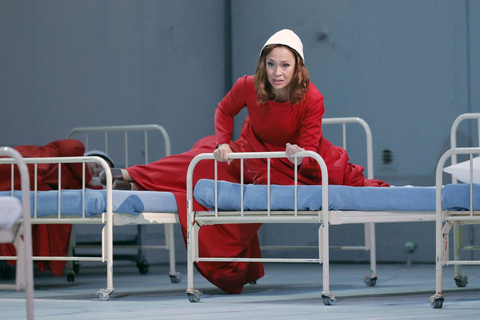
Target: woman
(285, 113)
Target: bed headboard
(368, 135)
(155, 128)
(453, 134)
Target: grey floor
(288, 291)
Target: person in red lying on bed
(285, 113)
(53, 239)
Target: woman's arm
(228, 108)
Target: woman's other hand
(291, 150)
(222, 152)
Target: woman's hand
(291, 150)
(222, 152)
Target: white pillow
(461, 170)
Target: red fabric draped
(48, 240)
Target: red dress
(268, 127)
(53, 239)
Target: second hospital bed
(107, 207)
(323, 205)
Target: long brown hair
(298, 85)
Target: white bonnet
(288, 38)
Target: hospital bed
(106, 207)
(125, 136)
(15, 228)
(456, 220)
(322, 205)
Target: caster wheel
(176, 278)
(329, 300)
(143, 266)
(370, 282)
(104, 294)
(194, 296)
(71, 277)
(436, 303)
(461, 281)
(253, 282)
(103, 297)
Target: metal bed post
(25, 279)
(192, 294)
(107, 253)
(369, 228)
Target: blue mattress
(345, 198)
(128, 202)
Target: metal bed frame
(325, 218)
(21, 234)
(136, 242)
(108, 219)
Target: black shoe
(124, 185)
(116, 175)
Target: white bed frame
(324, 218)
(21, 234)
(107, 219)
(155, 130)
(445, 220)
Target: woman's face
(95, 168)
(280, 66)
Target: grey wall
(85, 63)
(409, 68)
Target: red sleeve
(311, 129)
(228, 108)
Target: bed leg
(458, 244)
(371, 279)
(107, 237)
(328, 297)
(175, 277)
(70, 267)
(436, 300)
(192, 253)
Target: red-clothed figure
(285, 113)
(53, 239)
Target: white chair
(13, 230)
